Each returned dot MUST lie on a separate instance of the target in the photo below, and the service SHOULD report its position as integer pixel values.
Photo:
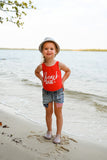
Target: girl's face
(49, 50)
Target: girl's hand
(63, 86)
(42, 82)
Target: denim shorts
(52, 96)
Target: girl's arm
(66, 70)
(37, 72)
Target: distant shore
(93, 50)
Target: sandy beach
(23, 139)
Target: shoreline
(87, 50)
(23, 139)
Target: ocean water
(85, 106)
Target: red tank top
(52, 80)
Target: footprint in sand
(38, 137)
(17, 140)
(60, 149)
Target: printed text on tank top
(51, 77)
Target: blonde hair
(43, 59)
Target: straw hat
(48, 39)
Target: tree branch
(15, 7)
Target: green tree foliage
(13, 10)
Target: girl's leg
(59, 117)
(49, 111)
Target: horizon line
(88, 49)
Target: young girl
(53, 85)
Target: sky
(74, 24)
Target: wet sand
(24, 140)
